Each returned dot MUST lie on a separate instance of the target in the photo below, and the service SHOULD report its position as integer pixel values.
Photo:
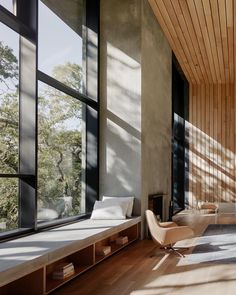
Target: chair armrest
(168, 224)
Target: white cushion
(130, 201)
(109, 210)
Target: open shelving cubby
(132, 233)
(82, 260)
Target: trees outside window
(48, 174)
(9, 129)
(59, 151)
(59, 143)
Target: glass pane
(8, 204)
(8, 4)
(60, 43)
(59, 155)
(9, 100)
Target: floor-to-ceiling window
(179, 138)
(48, 112)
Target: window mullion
(27, 133)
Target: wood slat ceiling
(201, 34)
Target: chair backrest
(155, 229)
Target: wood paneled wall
(202, 34)
(211, 130)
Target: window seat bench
(27, 263)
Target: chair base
(175, 250)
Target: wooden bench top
(24, 255)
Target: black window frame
(25, 23)
(180, 159)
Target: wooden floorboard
(134, 272)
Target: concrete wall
(120, 132)
(156, 109)
(135, 117)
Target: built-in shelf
(41, 282)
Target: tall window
(49, 126)
(9, 128)
(60, 152)
(60, 124)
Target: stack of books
(122, 240)
(63, 271)
(103, 250)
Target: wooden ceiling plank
(216, 25)
(189, 24)
(202, 21)
(170, 39)
(185, 28)
(182, 37)
(230, 36)
(211, 38)
(202, 34)
(196, 24)
(223, 27)
(175, 36)
(176, 46)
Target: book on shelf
(62, 276)
(122, 240)
(63, 270)
(103, 250)
(64, 266)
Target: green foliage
(9, 133)
(59, 149)
(9, 202)
(8, 63)
(59, 137)
(70, 74)
(8, 136)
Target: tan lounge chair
(167, 233)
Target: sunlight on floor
(161, 261)
(190, 281)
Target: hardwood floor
(134, 272)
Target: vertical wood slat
(198, 138)
(215, 184)
(234, 94)
(200, 173)
(190, 200)
(223, 141)
(203, 145)
(207, 98)
(219, 136)
(213, 142)
(232, 110)
(194, 122)
(227, 155)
